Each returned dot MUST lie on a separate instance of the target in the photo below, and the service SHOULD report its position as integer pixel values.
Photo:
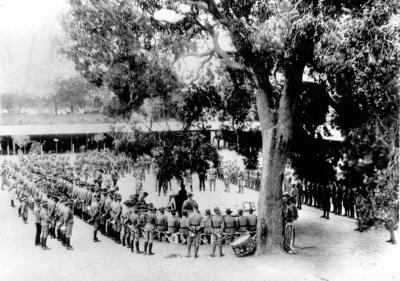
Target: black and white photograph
(192, 140)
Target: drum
(243, 246)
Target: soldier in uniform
(116, 209)
(24, 209)
(36, 213)
(252, 219)
(125, 233)
(68, 222)
(212, 177)
(150, 221)
(173, 224)
(242, 222)
(326, 200)
(194, 226)
(230, 225)
(189, 203)
(134, 223)
(183, 225)
(217, 224)
(207, 225)
(45, 222)
(95, 216)
(161, 222)
(289, 216)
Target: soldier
(36, 213)
(195, 226)
(207, 225)
(95, 216)
(188, 179)
(242, 222)
(289, 216)
(161, 222)
(68, 222)
(360, 209)
(125, 233)
(173, 224)
(217, 224)
(189, 203)
(339, 199)
(230, 225)
(134, 223)
(24, 209)
(184, 224)
(252, 219)
(212, 177)
(326, 201)
(45, 222)
(150, 221)
(116, 210)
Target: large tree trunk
(276, 128)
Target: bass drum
(244, 246)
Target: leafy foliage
(111, 45)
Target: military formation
(57, 190)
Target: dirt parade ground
(327, 249)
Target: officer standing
(36, 213)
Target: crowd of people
(57, 190)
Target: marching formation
(58, 190)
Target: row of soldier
(89, 202)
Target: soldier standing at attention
(36, 213)
(116, 210)
(68, 222)
(134, 220)
(252, 219)
(189, 203)
(150, 221)
(207, 225)
(242, 222)
(161, 221)
(326, 200)
(230, 224)
(195, 226)
(45, 222)
(217, 224)
(212, 177)
(95, 219)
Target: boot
(12, 203)
(131, 244)
(95, 236)
(145, 247)
(41, 243)
(220, 251)
(213, 250)
(123, 242)
(44, 244)
(68, 245)
(189, 247)
(196, 251)
(150, 248)
(137, 248)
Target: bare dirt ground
(327, 250)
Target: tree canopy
(301, 61)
